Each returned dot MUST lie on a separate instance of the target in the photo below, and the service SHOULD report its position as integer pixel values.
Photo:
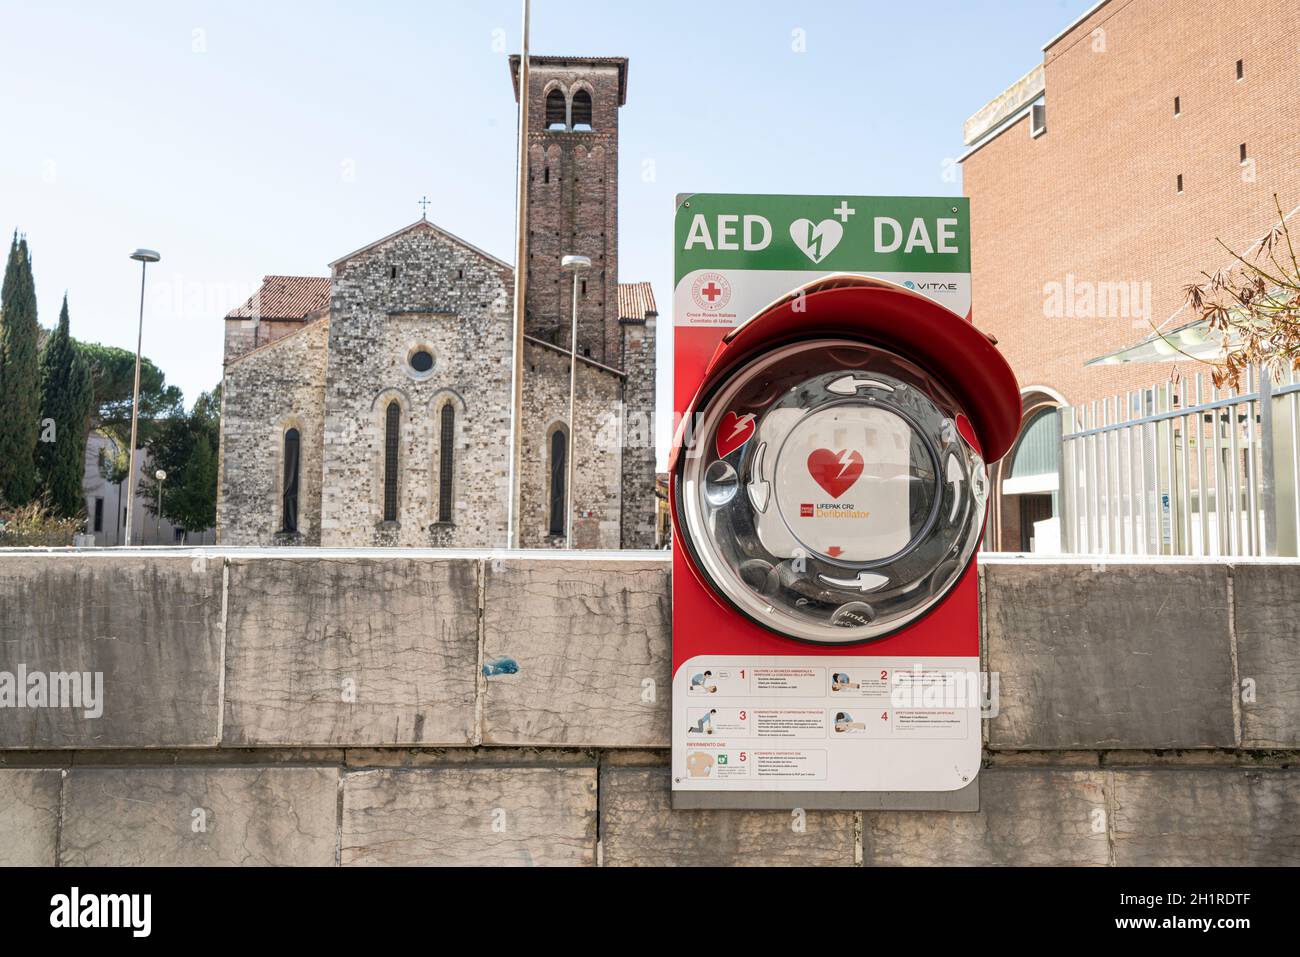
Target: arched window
(392, 429)
(559, 474)
(556, 111)
(446, 463)
(289, 498)
(582, 110)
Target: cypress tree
(66, 401)
(20, 384)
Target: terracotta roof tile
(636, 300)
(285, 297)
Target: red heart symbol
(734, 432)
(835, 471)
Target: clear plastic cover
(828, 493)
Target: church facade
(371, 407)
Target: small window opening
(555, 111)
(1180, 182)
(582, 111)
(559, 501)
(1242, 152)
(584, 282)
(392, 425)
(421, 360)
(1241, 70)
(1038, 119)
(289, 497)
(392, 272)
(1178, 106)
(446, 453)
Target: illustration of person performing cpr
(705, 724)
(840, 682)
(844, 722)
(702, 683)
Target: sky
(241, 139)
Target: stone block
(116, 817)
(592, 641)
(148, 626)
(29, 816)
(1207, 817)
(1124, 656)
(638, 827)
(1265, 599)
(356, 652)
(456, 816)
(1027, 817)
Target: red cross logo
(711, 291)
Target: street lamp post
(575, 265)
(161, 476)
(144, 257)
(515, 466)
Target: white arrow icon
(850, 384)
(759, 490)
(866, 581)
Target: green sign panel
(824, 234)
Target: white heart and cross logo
(816, 240)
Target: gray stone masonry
(327, 707)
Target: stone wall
(333, 708)
(419, 288)
(639, 505)
(597, 451)
(264, 394)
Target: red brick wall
(1094, 197)
(573, 209)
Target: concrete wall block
(29, 816)
(639, 827)
(470, 816)
(200, 816)
(592, 643)
(1206, 817)
(1268, 654)
(151, 626)
(358, 652)
(1028, 816)
(1129, 656)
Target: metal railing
(1184, 469)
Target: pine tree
(20, 392)
(66, 401)
(193, 504)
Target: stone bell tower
(573, 105)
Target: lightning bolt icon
(846, 460)
(742, 423)
(815, 242)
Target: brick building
(1100, 185)
(371, 406)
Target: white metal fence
(1183, 469)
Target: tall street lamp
(575, 265)
(144, 257)
(161, 476)
(513, 523)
